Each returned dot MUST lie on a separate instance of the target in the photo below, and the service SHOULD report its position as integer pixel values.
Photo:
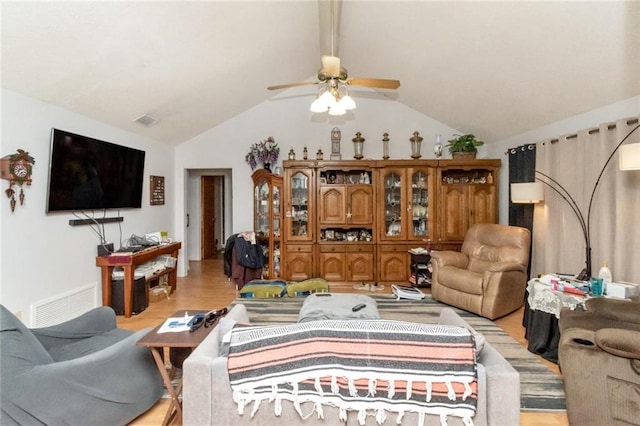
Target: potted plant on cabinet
(464, 146)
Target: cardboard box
(622, 289)
(158, 293)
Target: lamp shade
(527, 193)
(629, 156)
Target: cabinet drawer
(332, 248)
(388, 248)
(360, 248)
(300, 248)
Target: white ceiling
(494, 69)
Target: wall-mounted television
(87, 173)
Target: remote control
(358, 307)
(323, 294)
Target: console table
(129, 263)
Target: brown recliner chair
(599, 357)
(489, 276)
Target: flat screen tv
(87, 173)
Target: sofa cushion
(263, 289)
(370, 366)
(20, 350)
(307, 287)
(89, 345)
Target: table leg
(106, 272)
(175, 408)
(129, 278)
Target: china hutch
(267, 210)
(356, 220)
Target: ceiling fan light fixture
(347, 103)
(337, 110)
(331, 65)
(318, 106)
(328, 99)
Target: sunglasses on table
(208, 319)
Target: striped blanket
(371, 366)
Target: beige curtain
(575, 161)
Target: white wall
(286, 117)
(609, 113)
(41, 256)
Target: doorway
(212, 216)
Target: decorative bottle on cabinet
(438, 146)
(605, 274)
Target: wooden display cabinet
(468, 195)
(267, 213)
(299, 220)
(406, 201)
(331, 231)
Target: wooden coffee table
(185, 339)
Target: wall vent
(146, 120)
(64, 307)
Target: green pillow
(263, 289)
(307, 287)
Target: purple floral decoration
(263, 152)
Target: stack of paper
(175, 325)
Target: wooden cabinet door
(360, 205)
(298, 262)
(393, 264)
(454, 212)
(360, 263)
(482, 200)
(333, 206)
(332, 263)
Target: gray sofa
(207, 396)
(83, 371)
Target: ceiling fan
(333, 79)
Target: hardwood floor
(206, 287)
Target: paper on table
(173, 325)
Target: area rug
(540, 388)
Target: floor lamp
(533, 192)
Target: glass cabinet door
(276, 211)
(393, 204)
(299, 209)
(276, 272)
(262, 209)
(419, 202)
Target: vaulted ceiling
(494, 69)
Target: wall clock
(17, 169)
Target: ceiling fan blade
(380, 83)
(288, 85)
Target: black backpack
(249, 255)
